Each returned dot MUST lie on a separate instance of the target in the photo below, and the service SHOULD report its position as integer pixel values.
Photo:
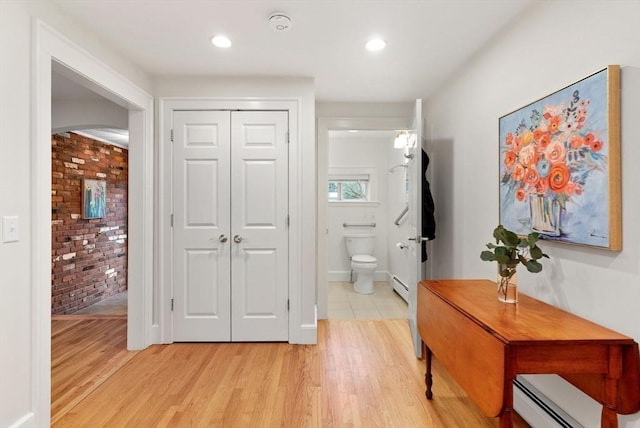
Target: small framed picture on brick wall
(94, 198)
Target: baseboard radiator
(400, 287)
(537, 409)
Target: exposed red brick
(80, 281)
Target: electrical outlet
(10, 229)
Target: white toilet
(360, 250)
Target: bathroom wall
(359, 150)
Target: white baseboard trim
(308, 335)
(537, 409)
(154, 334)
(345, 276)
(27, 421)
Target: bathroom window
(348, 188)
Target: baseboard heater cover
(553, 415)
(400, 287)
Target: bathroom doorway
(360, 191)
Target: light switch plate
(10, 229)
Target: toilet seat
(363, 258)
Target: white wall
(359, 152)
(76, 115)
(554, 44)
(301, 89)
(364, 110)
(18, 380)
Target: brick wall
(89, 256)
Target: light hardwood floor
(362, 373)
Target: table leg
(609, 418)
(506, 417)
(428, 379)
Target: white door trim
(47, 46)
(326, 124)
(297, 332)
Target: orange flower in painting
(542, 185)
(517, 143)
(589, 138)
(537, 134)
(596, 146)
(509, 139)
(555, 153)
(545, 139)
(531, 176)
(521, 194)
(527, 155)
(509, 158)
(554, 123)
(570, 188)
(518, 172)
(577, 142)
(558, 177)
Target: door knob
(237, 239)
(418, 239)
(223, 238)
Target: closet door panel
(259, 161)
(201, 195)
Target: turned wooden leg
(609, 418)
(506, 417)
(428, 379)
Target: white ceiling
(427, 40)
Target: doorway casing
(324, 125)
(297, 333)
(49, 48)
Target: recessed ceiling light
(221, 41)
(376, 44)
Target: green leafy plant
(511, 250)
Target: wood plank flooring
(361, 374)
(85, 352)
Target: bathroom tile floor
(345, 303)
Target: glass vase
(507, 284)
(545, 214)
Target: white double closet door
(230, 237)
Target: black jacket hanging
(428, 208)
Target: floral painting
(559, 164)
(94, 198)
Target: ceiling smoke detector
(279, 22)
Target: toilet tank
(358, 244)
